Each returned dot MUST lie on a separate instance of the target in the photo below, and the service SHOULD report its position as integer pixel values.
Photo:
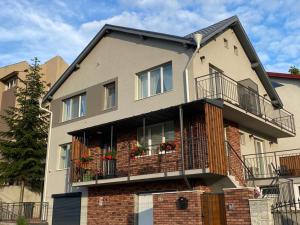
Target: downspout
(48, 151)
(182, 146)
(197, 38)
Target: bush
(21, 221)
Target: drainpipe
(197, 38)
(182, 147)
(48, 150)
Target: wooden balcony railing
(220, 86)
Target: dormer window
(10, 83)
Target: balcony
(273, 164)
(245, 106)
(109, 153)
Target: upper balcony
(245, 106)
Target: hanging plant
(110, 155)
(138, 151)
(167, 146)
(86, 158)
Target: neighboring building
(11, 76)
(147, 124)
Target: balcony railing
(152, 160)
(33, 212)
(272, 164)
(220, 86)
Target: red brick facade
(237, 205)
(166, 212)
(116, 205)
(235, 166)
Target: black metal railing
(286, 212)
(220, 86)
(31, 211)
(237, 166)
(149, 160)
(271, 164)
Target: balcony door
(215, 88)
(145, 209)
(260, 158)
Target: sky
(43, 29)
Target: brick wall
(115, 205)
(235, 166)
(166, 212)
(237, 205)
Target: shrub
(21, 221)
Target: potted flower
(110, 155)
(137, 151)
(86, 158)
(167, 146)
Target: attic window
(225, 43)
(235, 49)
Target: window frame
(226, 44)
(107, 87)
(148, 135)
(10, 83)
(71, 99)
(235, 50)
(148, 77)
(67, 162)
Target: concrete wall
(289, 94)
(12, 194)
(260, 211)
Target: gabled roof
(208, 34)
(283, 75)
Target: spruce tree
(23, 147)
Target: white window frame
(71, 103)
(68, 155)
(106, 86)
(242, 138)
(149, 81)
(148, 136)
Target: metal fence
(286, 212)
(31, 211)
(272, 164)
(220, 86)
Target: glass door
(260, 158)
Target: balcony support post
(182, 147)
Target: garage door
(66, 209)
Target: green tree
(294, 70)
(23, 146)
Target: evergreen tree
(23, 147)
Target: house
(12, 76)
(147, 127)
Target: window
(242, 139)
(156, 134)
(225, 43)
(152, 82)
(10, 83)
(74, 107)
(110, 95)
(235, 49)
(64, 156)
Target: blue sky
(30, 28)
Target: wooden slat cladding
(290, 165)
(213, 209)
(215, 139)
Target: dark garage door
(66, 209)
